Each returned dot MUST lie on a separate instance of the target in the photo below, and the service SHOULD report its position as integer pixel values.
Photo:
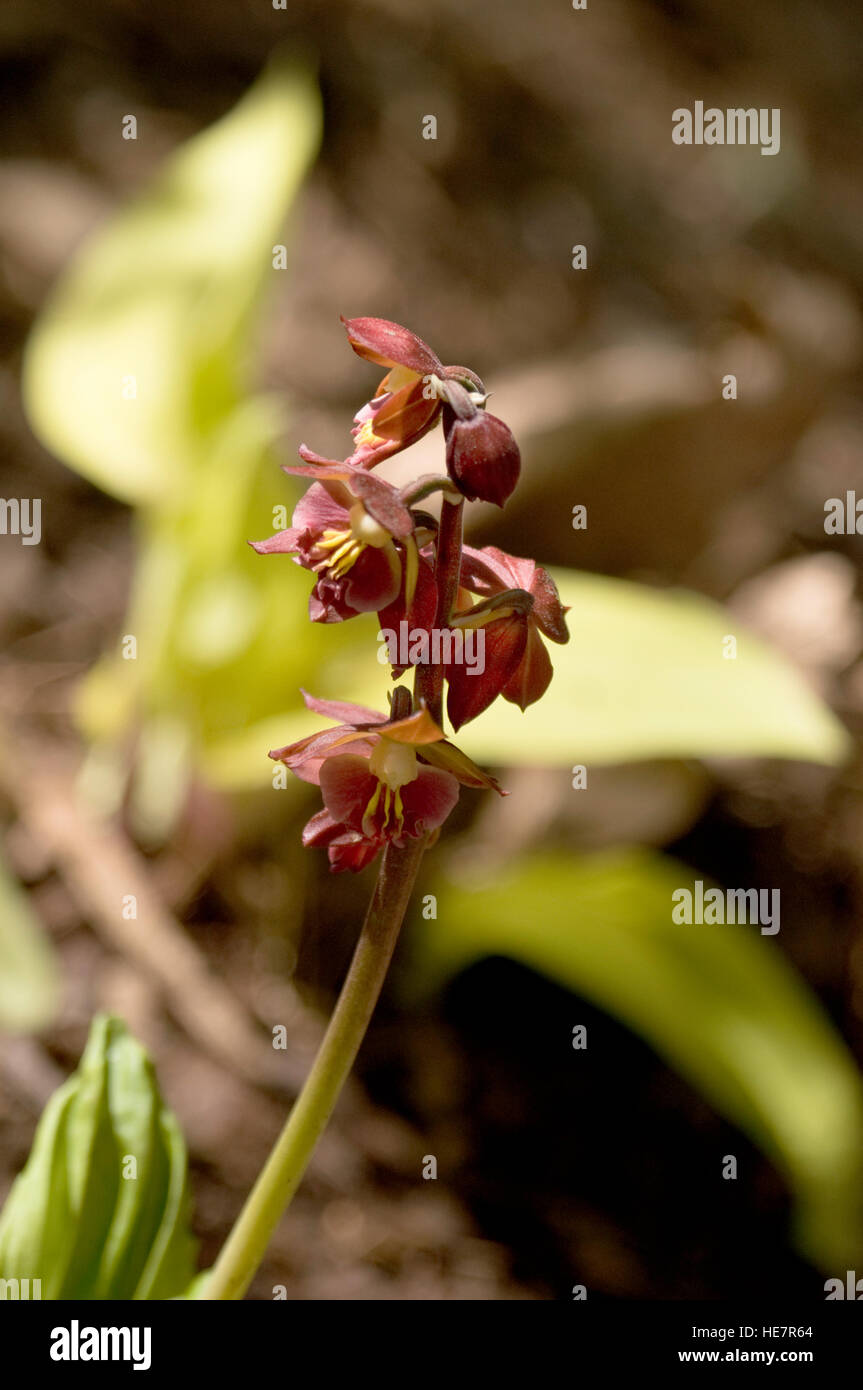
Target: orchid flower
(381, 778)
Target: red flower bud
(482, 457)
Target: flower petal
(407, 415)
(347, 786)
(342, 710)
(390, 345)
(381, 500)
(373, 580)
(320, 830)
(429, 799)
(282, 543)
(319, 467)
(352, 852)
(532, 677)
(317, 511)
(489, 570)
(309, 456)
(548, 611)
(417, 728)
(469, 693)
(445, 755)
(306, 757)
(327, 602)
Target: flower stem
(281, 1175)
(430, 679)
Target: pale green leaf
(163, 295)
(29, 981)
(196, 1288)
(101, 1209)
(168, 292)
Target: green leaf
(644, 676)
(168, 293)
(719, 1003)
(29, 980)
(197, 1286)
(101, 1209)
(165, 294)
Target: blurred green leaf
(166, 294)
(81, 1216)
(29, 979)
(719, 1003)
(644, 676)
(197, 1286)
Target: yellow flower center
(391, 820)
(365, 437)
(342, 549)
(394, 765)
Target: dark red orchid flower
(352, 530)
(404, 406)
(517, 665)
(382, 780)
(492, 571)
(482, 456)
